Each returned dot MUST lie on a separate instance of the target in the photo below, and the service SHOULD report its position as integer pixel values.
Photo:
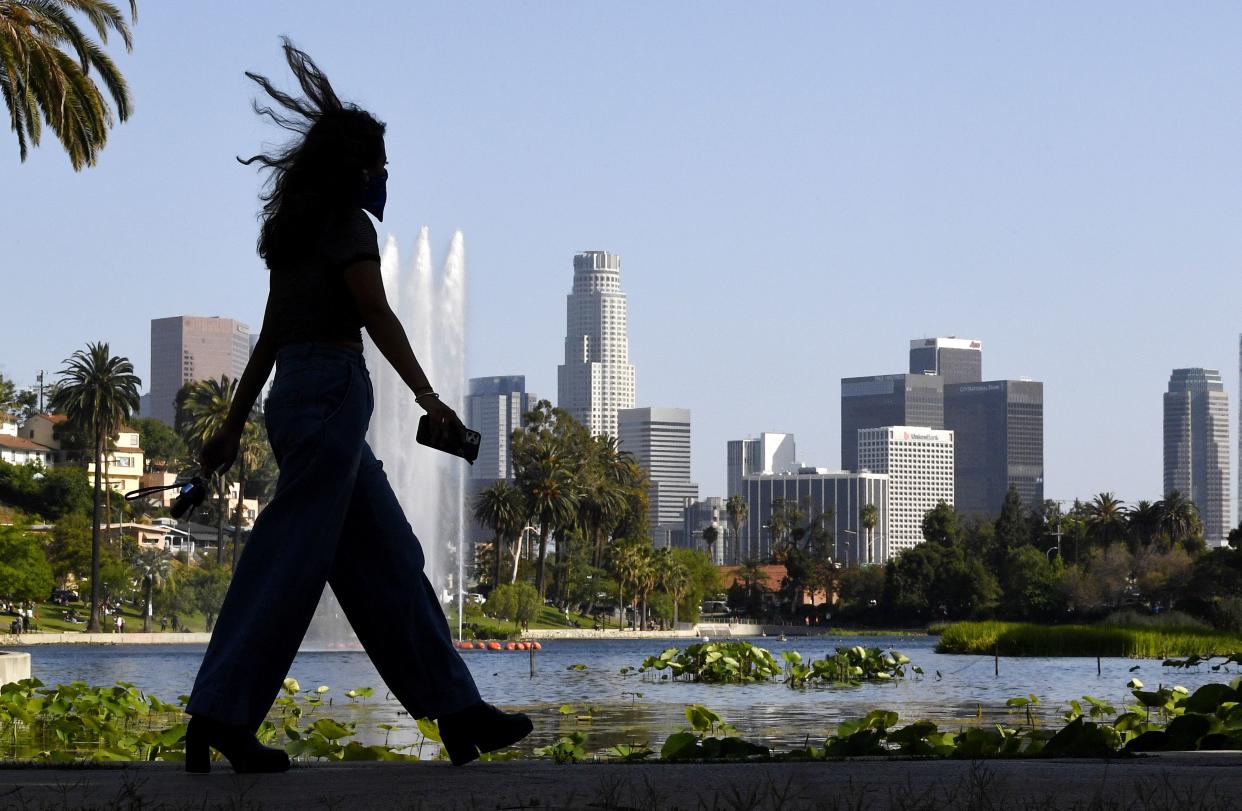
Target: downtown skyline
(1034, 179)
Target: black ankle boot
(238, 744)
(481, 728)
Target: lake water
(634, 708)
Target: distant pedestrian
(118, 621)
(164, 624)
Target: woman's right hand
(219, 452)
(443, 418)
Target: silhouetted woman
(334, 518)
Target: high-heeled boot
(481, 728)
(238, 744)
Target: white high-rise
(919, 464)
(1196, 447)
(769, 454)
(596, 379)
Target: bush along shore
(1025, 639)
(80, 723)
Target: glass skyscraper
(1196, 446)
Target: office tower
(770, 453)
(957, 360)
(494, 407)
(919, 464)
(1196, 447)
(998, 441)
(698, 516)
(186, 348)
(596, 379)
(659, 438)
(840, 496)
(882, 400)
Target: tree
(1179, 517)
(868, 518)
(1142, 525)
(210, 583)
(97, 391)
(206, 409)
(543, 474)
(21, 403)
(162, 448)
(710, 535)
(69, 550)
(501, 509)
(250, 453)
(45, 73)
(674, 578)
(1030, 585)
(25, 575)
(736, 509)
(1106, 519)
(152, 567)
(940, 525)
(626, 563)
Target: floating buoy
(465, 645)
(521, 646)
(493, 646)
(536, 646)
(511, 646)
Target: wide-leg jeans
(333, 519)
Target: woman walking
(334, 518)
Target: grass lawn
(491, 628)
(50, 619)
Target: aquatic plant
(847, 666)
(1027, 639)
(716, 663)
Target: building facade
(187, 348)
(494, 407)
(596, 380)
(770, 453)
(957, 360)
(919, 464)
(998, 442)
(659, 439)
(837, 497)
(882, 400)
(698, 516)
(1196, 447)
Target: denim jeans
(333, 519)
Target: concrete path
(1183, 781)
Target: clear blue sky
(796, 190)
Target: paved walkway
(1183, 781)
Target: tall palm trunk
(543, 557)
(500, 546)
(221, 507)
(241, 503)
(517, 555)
(148, 586)
(93, 625)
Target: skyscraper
(596, 379)
(186, 348)
(838, 497)
(919, 464)
(883, 400)
(1196, 446)
(659, 438)
(957, 360)
(494, 407)
(998, 441)
(770, 453)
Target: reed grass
(1026, 639)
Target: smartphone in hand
(463, 443)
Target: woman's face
(377, 169)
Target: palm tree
(646, 578)
(501, 509)
(736, 509)
(674, 578)
(551, 496)
(868, 517)
(626, 562)
(250, 454)
(153, 566)
(1143, 521)
(40, 82)
(710, 534)
(603, 498)
(1106, 516)
(1178, 516)
(97, 392)
(207, 405)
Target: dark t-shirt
(309, 298)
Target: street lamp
(847, 549)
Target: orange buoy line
(496, 645)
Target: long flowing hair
(317, 178)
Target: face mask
(375, 194)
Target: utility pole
(41, 373)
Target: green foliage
(849, 666)
(516, 602)
(1021, 639)
(162, 448)
(51, 493)
(25, 574)
(716, 663)
(568, 749)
